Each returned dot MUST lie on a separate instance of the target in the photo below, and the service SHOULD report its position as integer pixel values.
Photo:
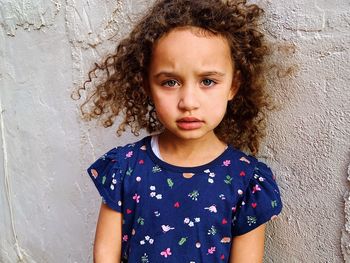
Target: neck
(189, 152)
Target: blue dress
(184, 214)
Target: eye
(208, 82)
(169, 83)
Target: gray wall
(48, 204)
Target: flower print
(141, 161)
(136, 197)
(261, 179)
(152, 194)
(177, 205)
(234, 209)
(222, 257)
(159, 196)
(224, 221)
(198, 245)
(152, 188)
(129, 154)
(187, 220)
(167, 228)
(210, 180)
(243, 159)
(166, 252)
(194, 195)
(156, 169)
(191, 224)
(114, 182)
(148, 239)
(125, 238)
(211, 250)
(254, 205)
(251, 220)
(211, 208)
(144, 258)
(256, 188)
(212, 230)
(240, 192)
(138, 179)
(226, 163)
(222, 197)
(197, 219)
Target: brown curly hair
(122, 90)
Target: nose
(188, 99)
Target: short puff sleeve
(260, 203)
(107, 176)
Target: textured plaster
(47, 48)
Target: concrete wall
(48, 204)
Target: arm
(108, 238)
(249, 247)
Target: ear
(236, 83)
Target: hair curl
(122, 88)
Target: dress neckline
(193, 169)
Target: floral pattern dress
(184, 214)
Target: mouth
(189, 123)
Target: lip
(189, 123)
(188, 119)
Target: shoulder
(250, 168)
(118, 156)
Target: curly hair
(122, 90)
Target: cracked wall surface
(47, 48)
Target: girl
(190, 73)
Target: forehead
(192, 45)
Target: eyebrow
(206, 73)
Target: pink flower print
(136, 197)
(211, 250)
(226, 163)
(256, 188)
(141, 161)
(234, 209)
(125, 238)
(166, 252)
(129, 154)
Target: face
(191, 80)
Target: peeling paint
(27, 14)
